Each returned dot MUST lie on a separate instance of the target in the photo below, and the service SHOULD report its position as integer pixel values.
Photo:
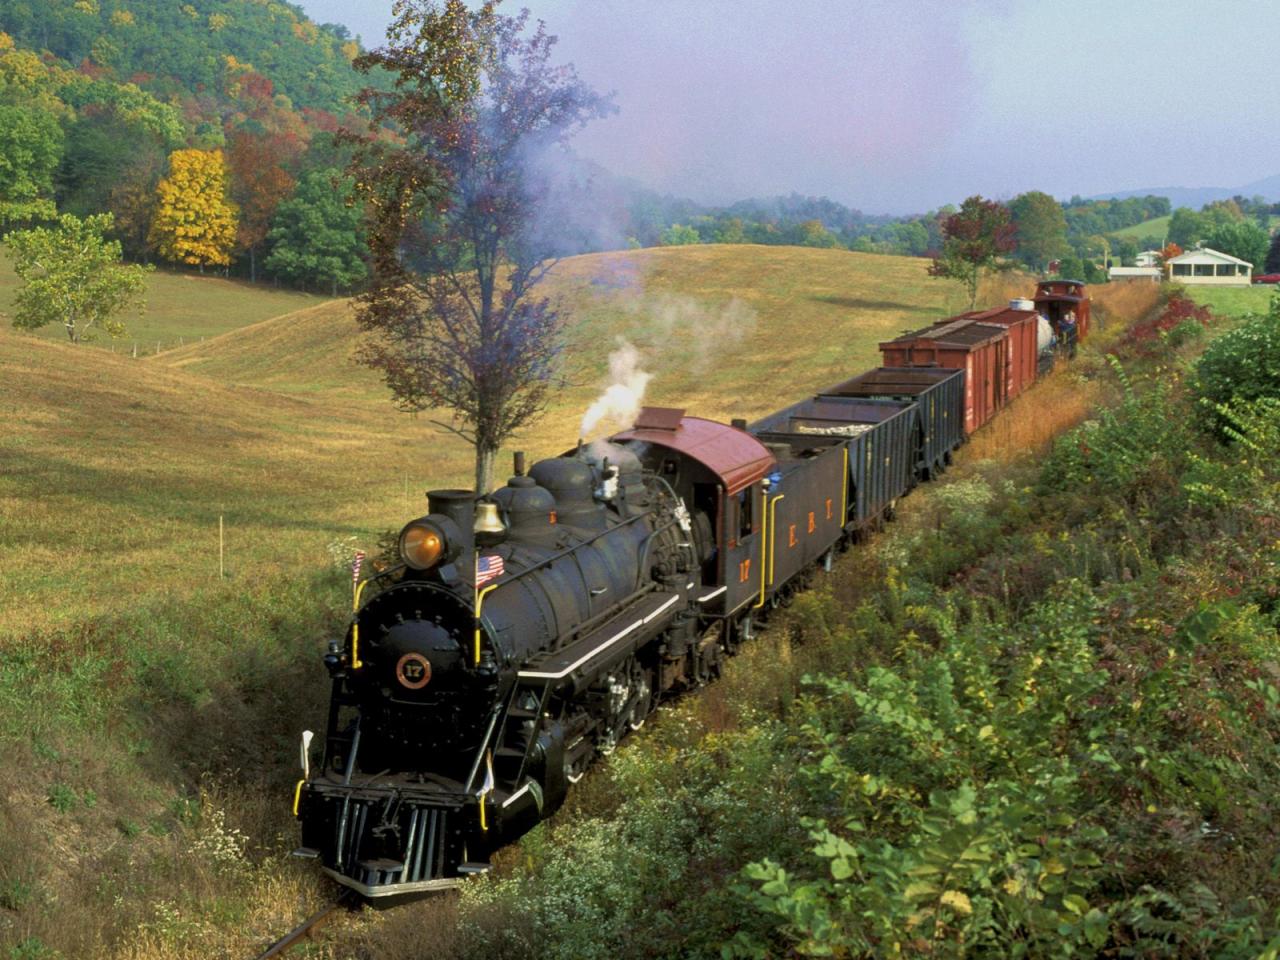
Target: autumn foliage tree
(259, 183)
(195, 220)
(456, 233)
(975, 240)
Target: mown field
(1234, 301)
(149, 707)
(179, 307)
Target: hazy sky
(897, 107)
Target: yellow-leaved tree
(195, 220)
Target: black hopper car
(526, 632)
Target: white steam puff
(619, 405)
(693, 333)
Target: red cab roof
(733, 455)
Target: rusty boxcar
(981, 350)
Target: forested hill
(215, 113)
(190, 51)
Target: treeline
(1091, 218)
(1240, 226)
(1071, 235)
(208, 130)
(178, 51)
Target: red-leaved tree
(974, 240)
(259, 182)
(456, 230)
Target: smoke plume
(619, 405)
(694, 333)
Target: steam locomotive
(526, 632)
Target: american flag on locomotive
(488, 568)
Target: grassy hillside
(179, 306)
(1149, 228)
(273, 427)
(706, 318)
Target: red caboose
(1065, 304)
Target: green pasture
(1158, 227)
(180, 307)
(1234, 301)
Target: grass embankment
(1036, 717)
(150, 707)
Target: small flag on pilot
(356, 561)
(488, 568)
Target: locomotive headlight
(430, 541)
(422, 544)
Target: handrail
(773, 531)
(764, 543)
(844, 489)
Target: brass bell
(488, 526)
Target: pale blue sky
(903, 106)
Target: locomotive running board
(602, 642)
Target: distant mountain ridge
(1197, 197)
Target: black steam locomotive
(526, 632)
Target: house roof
(1206, 255)
(1135, 272)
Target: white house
(1209, 266)
(1147, 258)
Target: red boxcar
(1023, 346)
(1061, 301)
(981, 350)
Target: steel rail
(304, 930)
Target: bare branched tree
(456, 171)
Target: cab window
(746, 512)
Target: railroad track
(304, 930)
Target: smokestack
(459, 506)
(518, 463)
